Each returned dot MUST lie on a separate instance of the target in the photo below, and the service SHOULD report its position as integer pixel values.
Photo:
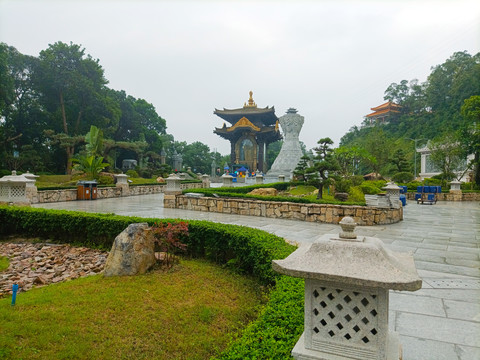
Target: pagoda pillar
(261, 156)
(232, 152)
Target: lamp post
(415, 155)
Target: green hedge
(242, 193)
(280, 323)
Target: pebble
(38, 264)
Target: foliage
(251, 251)
(429, 110)
(351, 159)
(324, 164)
(91, 165)
(132, 317)
(470, 111)
(343, 185)
(403, 177)
(105, 180)
(372, 187)
(169, 238)
(277, 328)
(356, 194)
(132, 173)
(300, 171)
(448, 155)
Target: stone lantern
(227, 180)
(347, 282)
(455, 186)
(122, 183)
(172, 190)
(13, 188)
(281, 178)
(258, 179)
(393, 193)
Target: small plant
(169, 239)
(4, 263)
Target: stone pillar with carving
(347, 283)
(291, 151)
(122, 184)
(172, 190)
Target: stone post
(13, 189)
(31, 191)
(205, 181)
(122, 184)
(393, 193)
(347, 280)
(258, 179)
(281, 178)
(227, 180)
(455, 190)
(172, 190)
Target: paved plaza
(440, 321)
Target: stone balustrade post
(259, 179)
(281, 178)
(347, 282)
(122, 183)
(172, 190)
(227, 180)
(455, 190)
(205, 181)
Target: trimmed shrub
(279, 325)
(368, 187)
(402, 177)
(132, 173)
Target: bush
(343, 185)
(280, 324)
(402, 177)
(356, 194)
(132, 173)
(105, 180)
(433, 181)
(369, 188)
(356, 180)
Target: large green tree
(324, 165)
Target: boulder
(160, 179)
(264, 192)
(133, 251)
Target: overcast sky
(332, 60)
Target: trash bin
(403, 199)
(87, 190)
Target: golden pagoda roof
(265, 116)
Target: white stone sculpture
(291, 151)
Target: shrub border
(271, 336)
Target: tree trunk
(320, 191)
(64, 116)
(69, 150)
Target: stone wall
(451, 196)
(323, 213)
(45, 196)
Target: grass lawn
(4, 263)
(188, 313)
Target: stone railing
(324, 213)
(451, 196)
(45, 196)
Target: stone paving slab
(462, 310)
(451, 331)
(412, 303)
(423, 349)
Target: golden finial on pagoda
(251, 103)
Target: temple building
(251, 130)
(382, 113)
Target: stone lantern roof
(14, 178)
(361, 261)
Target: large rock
(264, 192)
(133, 251)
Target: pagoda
(250, 132)
(382, 113)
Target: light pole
(415, 155)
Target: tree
(400, 162)
(71, 87)
(324, 164)
(351, 159)
(471, 132)
(449, 155)
(301, 170)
